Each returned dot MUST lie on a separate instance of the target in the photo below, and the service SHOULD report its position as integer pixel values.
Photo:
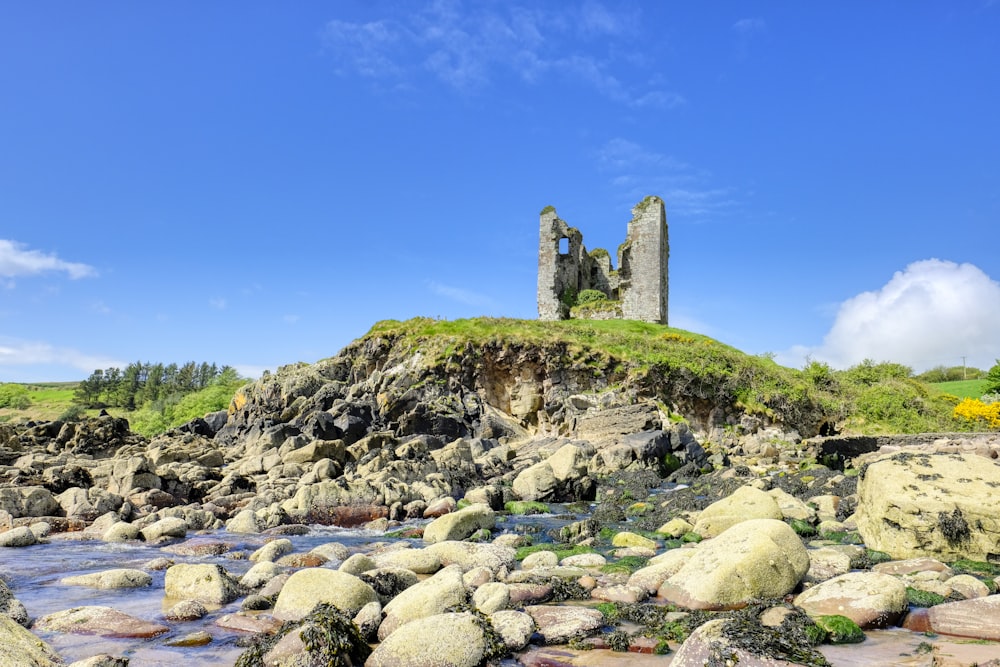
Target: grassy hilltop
(868, 398)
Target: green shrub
(589, 295)
(14, 396)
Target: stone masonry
(637, 290)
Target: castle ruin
(574, 283)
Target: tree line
(141, 384)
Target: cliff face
(507, 386)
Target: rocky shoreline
(684, 526)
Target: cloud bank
(20, 353)
(932, 313)
(16, 260)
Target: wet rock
(977, 618)
(110, 579)
(627, 539)
(458, 641)
(713, 643)
(244, 622)
(206, 583)
(558, 625)
(389, 582)
(11, 607)
(260, 574)
(187, 610)
(870, 599)
(306, 589)
(103, 660)
(167, 527)
(18, 537)
(759, 558)
(272, 551)
(198, 547)
(97, 620)
(121, 531)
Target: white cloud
(466, 47)
(468, 297)
(639, 171)
(750, 25)
(932, 313)
(35, 353)
(17, 260)
(252, 371)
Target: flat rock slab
(198, 546)
(248, 623)
(102, 621)
(111, 579)
(558, 625)
(978, 618)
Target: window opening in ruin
(564, 246)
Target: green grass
(685, 371)
(48, 401)
(963, 388)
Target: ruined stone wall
(640, 283)
(643, 263)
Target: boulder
(743, 504)
(272, 551)
(101, 621)
(558, 625)
(759, 558)
(206, 583)
(491, 597)
(461, 524)
(870, 599)
(712, 644)
(307, 588)
(167, 527)
(111, 579)
(978, 618)
(427, 598)
(11, 607)
(21, 647)
(470, 555)
(260, 574)
(627, 539)
(660, 569)
(924, 504)
(455, 640)
(18, 537)
(121, 531)
(514, 627)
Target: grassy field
(963, 388)
(48, 401)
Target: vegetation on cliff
(690, 373)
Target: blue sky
(256, 183)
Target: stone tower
(636, 290)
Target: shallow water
(34, 572)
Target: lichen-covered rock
(469, 555)
(628, 539)
(272, 551)
(429, 597)
(21, 647)
(207, 583)
(420, 561)
(260, 574)
(660, 568)
(306, 589)
(461, 524)
(939, 505)
(759, 558)
(870, 599)
(166, 527)
(111, 579)
(744, 504)
(102, 621)
(11, 607)
(121, 531)
(491, 597)
(18, 537)
(558, 625)
(514, 627)
(448, 640)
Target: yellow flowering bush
(972, 409)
